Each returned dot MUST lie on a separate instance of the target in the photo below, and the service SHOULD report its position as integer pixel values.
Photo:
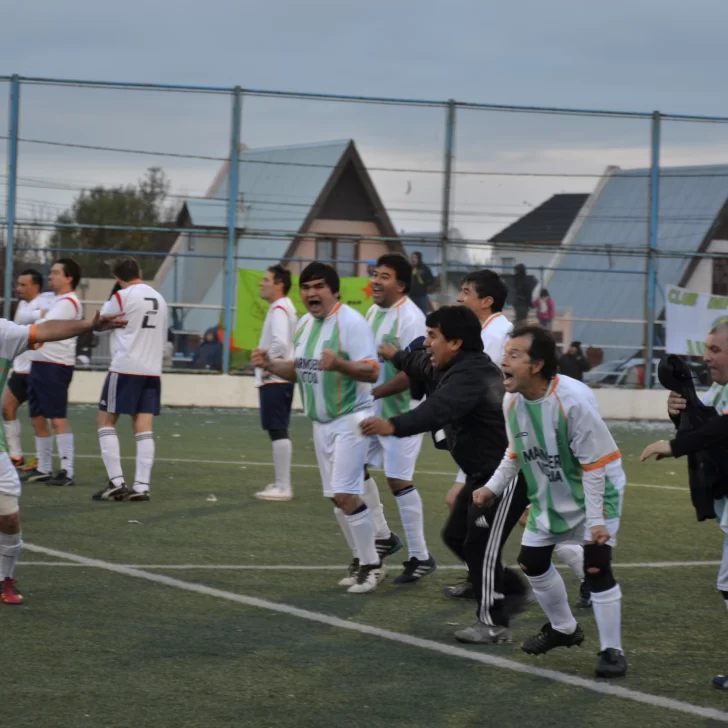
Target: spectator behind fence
(545, 309)
(208, 354)
(573, 363)
(523, 286)
(422, 280)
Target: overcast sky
(626, 54)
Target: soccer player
(14, 340)
(559, 441)
(50, 377)
(276, 394)
(335, 364)
(31, 306)
(396, 320)
(133, 385)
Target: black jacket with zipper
(465, 399)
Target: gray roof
(691, 200)
(207, 213)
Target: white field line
(491, 660)
(342, 567)
(242, 463)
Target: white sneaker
(274, 492)
(350, 578)
(368, 578)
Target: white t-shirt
(328, 395)
(65, 308)
(277, 336)
(27, 313)
(139, 347)
(494, 334)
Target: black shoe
(548, 638)
(388, 546)
(111, 492)
(414, 570)
(136, 495)
(612, 663)
(35, 476)
(61, 478)
(585, 601)
(464, 590)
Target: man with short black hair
(276, 394)
(573, 467)
(465, 390)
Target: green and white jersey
(556, 440)
(399, 325)
(14, 340)
(717, 396)
(328, 395)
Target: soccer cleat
(720, 682)
(18, 462)
(585, 601)
(10, 593)
(35, 476)
(61, 478)
(388, 546)
(274, 492)
(549, 638)
(350, 578)
(415, 569)
(368, 578)
(137, 495)
(612, 663)
(111, 492)
(463, 590)
(484, 634)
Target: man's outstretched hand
(376, 426)
(108, 322)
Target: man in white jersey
(133, 385)
(31, 306)
(335, 364)
(50, 377)
(559, 441)
(713, 433)
(14, 340)
(276, 394)
(396, 320)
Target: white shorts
(9, 480)
(579, 534)
(398, 456)
(341, 452)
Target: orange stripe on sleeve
(118, 300)
(616, 455)
(373, 362)
(32, 335)
(512, 455)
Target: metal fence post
(654, 218)
(13, 132)
(232, 225)
(447, 196)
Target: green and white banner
(690, 316)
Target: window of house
(507, 264)
(339, 253)
(720, 277)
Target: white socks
(362, 534)
(409, 503)
(12, 437)
(111, 454)
(374, 504)
(572, 554)
(44, 453)
(550, 591)
(10, 546)
(66, 452)
(344, 526)
(607, 607)
(144, 461)
(282, 452)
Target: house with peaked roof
(295, 204)
(610, 288)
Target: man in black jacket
(465, 399)
(573, 364)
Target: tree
(140, 205)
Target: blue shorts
(18, 386)
(131, 394)
(275, 406)
(48, 385)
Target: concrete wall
(197, 390)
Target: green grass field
(93, 647)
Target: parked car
(630, 373)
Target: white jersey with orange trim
(559, 441)
(66, 307)
(329, 395)
(277, 337)
(494, 334)
(139, 347)
(27, 313)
